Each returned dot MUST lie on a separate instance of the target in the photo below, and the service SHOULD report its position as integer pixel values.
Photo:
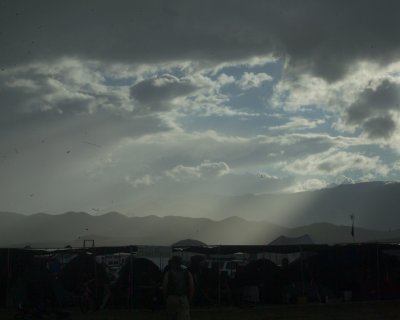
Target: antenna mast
(352, 217)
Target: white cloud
(215, 179)
(343, 179)
(238, 151)
(205, 170)
(308, 185)
(253, 80)
(195, 94)
(175, 160)
(297, 92)
(298, 123)
(63, 87)
(264, 175)
(364, 102)
(146, 180)
(396, 166)
(293, 93)
(333, 162)
(224, 79)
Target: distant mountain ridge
(322, 214)
(71, 228)
(375, 205)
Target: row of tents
(317, 273)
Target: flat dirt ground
(351, 311)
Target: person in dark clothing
(178, 287)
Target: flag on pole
(352, 230)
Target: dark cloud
(68, 95)
(320, 37)
(22, 104)
(36, 90)
(372, 110)
(155, 95)
(375, 101)
(380, 127)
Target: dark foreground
(352, 311)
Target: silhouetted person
(178, 290)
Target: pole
(219, 276)
(302, 271)
(378, 271)
(352, 217)
(130, 294)
(8, 279)
(96, 281)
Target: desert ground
(381, 310)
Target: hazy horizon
(373, 204)
(58, 231)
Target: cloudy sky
(105, 103)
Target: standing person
(178, 290)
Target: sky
(106, 103)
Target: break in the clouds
(103, 103)
(250, 80)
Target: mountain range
(376, 205)
(322, 214)
(112, 229)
